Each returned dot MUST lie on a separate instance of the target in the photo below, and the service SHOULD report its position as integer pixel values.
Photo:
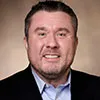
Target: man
(51, 42)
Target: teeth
(51, 56)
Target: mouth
(51, 56)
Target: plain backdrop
(13, 56)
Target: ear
(76, 42)
(26, 42)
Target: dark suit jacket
(22, 86)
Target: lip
(51, 57)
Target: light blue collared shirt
(48, 92)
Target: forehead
(51, 15)
(51, 19)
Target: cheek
(34, 47)
(67, 47)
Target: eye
(62, 34)
(42, 34)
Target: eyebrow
(40, 28)
(63, 29)
(59, 29)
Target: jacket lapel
(82, 86)
(29, 89)
(76, 86)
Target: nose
(52, 42)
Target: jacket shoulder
(11, 81)
(20, 86)
(84, 80)
(85, 86)
(84, 75)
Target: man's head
(51, 6)
(50, 38)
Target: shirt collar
(39, 81)
(41, 84)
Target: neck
(60, 79)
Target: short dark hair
(51, 6)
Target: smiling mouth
(51, 56)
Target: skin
(51, 45)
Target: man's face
(51, 43)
